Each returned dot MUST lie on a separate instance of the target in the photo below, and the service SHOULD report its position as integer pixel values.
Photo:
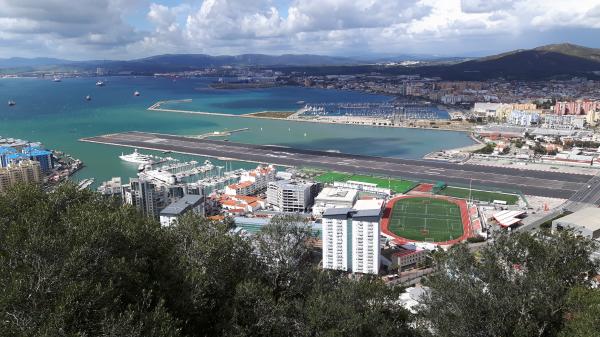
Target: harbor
(363, 114)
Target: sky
(127, 29)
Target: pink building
(576, 107)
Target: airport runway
(547, 184)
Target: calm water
(58, 115)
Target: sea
(57, 114)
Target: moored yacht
(137, 158)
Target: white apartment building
(290, 196)
(523, 118)
(337, 239)
(260, 177)
(351, 237)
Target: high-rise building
(26, 171)
(351, 237)
(147, 197)
(291, 196)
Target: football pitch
(426, 219)
(396, 185)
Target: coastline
(256, 115)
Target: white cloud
(101, 28)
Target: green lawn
(426, 219)
(463, 193)
(396, 185)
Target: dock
(547, 184)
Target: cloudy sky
(124, 29)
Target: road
(547, 184)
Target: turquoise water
(57, 115)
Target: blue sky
(124, 29)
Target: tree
(516, 286)
(583, 313)
(72, 264)
(75, 264)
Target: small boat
(100, 84)
(88, 98)
(300, 102)
(56, 79)
(85, 183)
(12, 103)
(137, 93)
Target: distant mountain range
(556, 61)
(18, 62)
(551, 61)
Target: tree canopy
(518, 286)
(75, 264)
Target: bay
(56, 114)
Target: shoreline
(157, 107)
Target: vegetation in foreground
(73, 264)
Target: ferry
(137, 158)
(12, 103)
(100, 84)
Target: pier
(547, 184)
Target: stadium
(436, 219)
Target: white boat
(88, 98)
(85, 183)
(100, 84)
(56, 79)
(137, 158)
(137, 93)
(11, 103)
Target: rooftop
(587, 217)
(182, 205)
(337, 194)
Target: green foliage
(516, 287)
(487, 149)
(583, 318)
(75, 264)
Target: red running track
(464, 214)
